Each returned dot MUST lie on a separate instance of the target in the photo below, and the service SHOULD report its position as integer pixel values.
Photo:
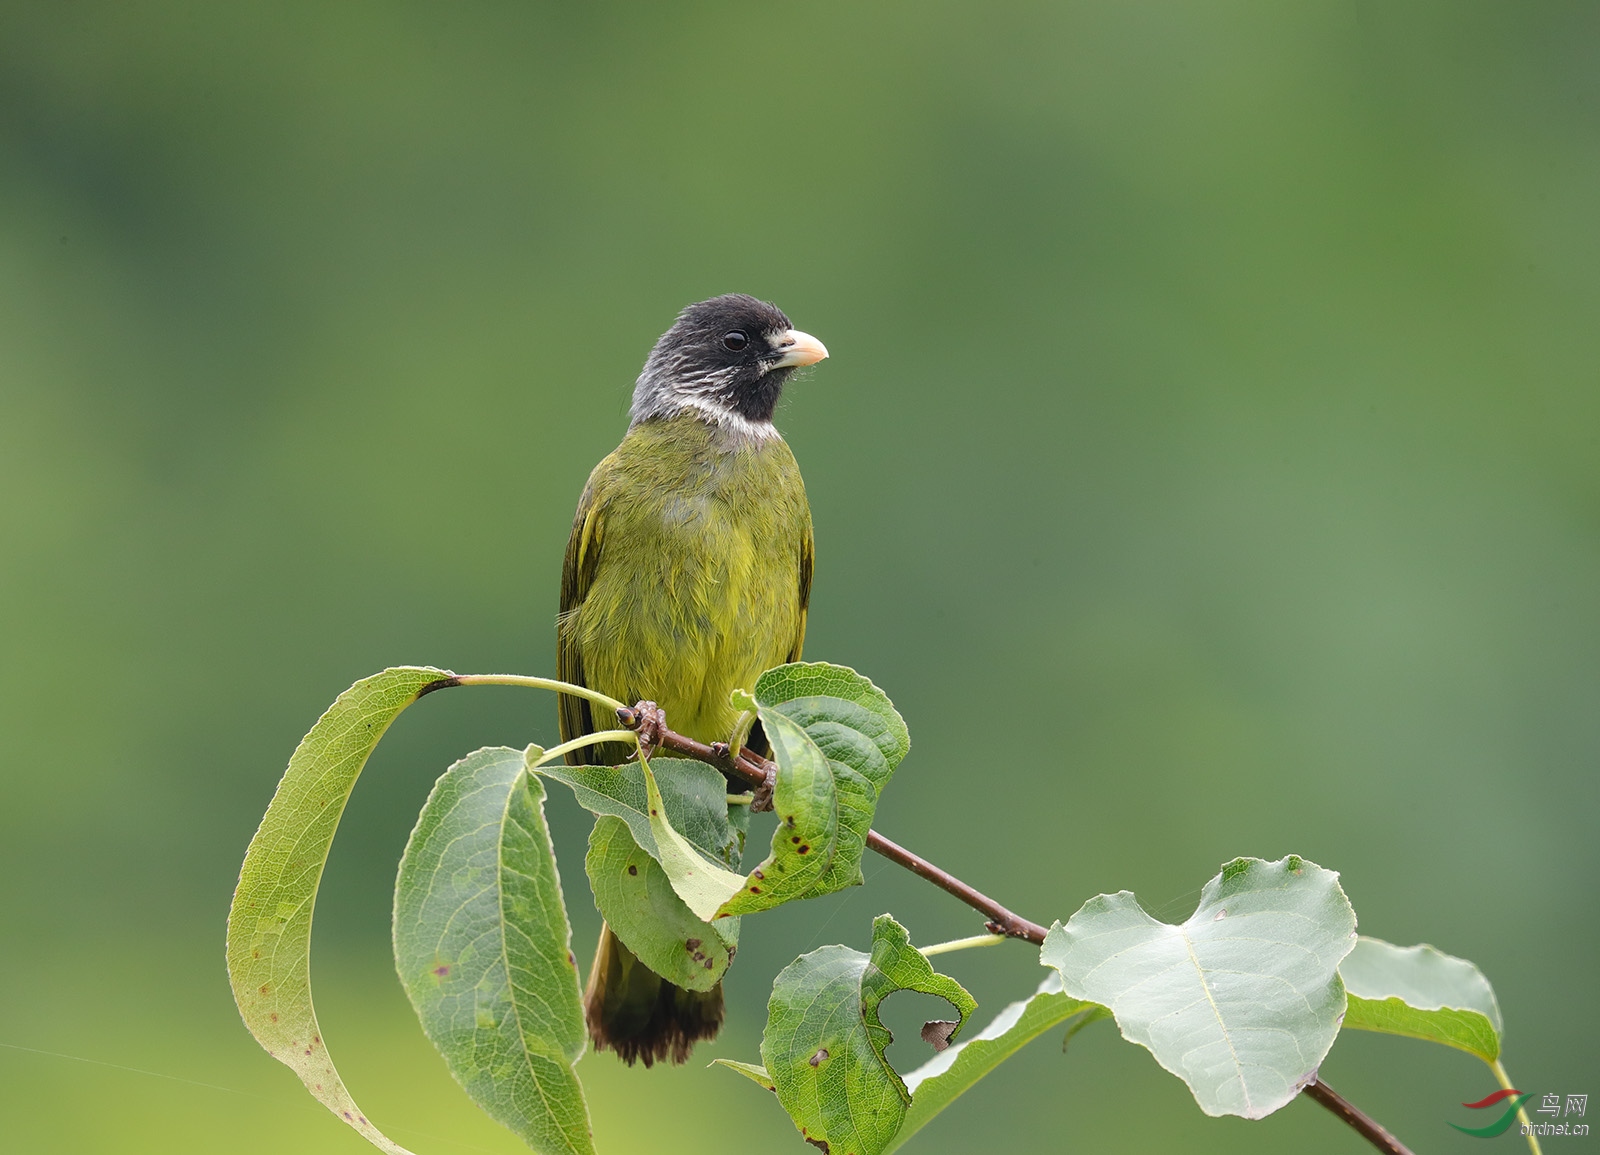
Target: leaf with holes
(269, 924)
(824, 1045)
(1242, 1000)
(483, 947)
(857, 730)
(1423, 993)
(938, 1082)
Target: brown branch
(1000, 920)
(751, 769)
(1368, 1127)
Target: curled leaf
(269, 924)
(1423, 993)
(803, 844)
(856, 728)
(703, 884)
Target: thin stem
(740, 799)
(753, 768)
(1369, 1128)
(1522, 1112)
(594, 696)
(1001, 921)
(741, 730)
(555, 752)
(956, 944)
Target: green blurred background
(1207, 465)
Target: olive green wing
(805, 591)
(757, 741)
(577, 575)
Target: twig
(752, 769)
(956, 944)
(1369, 1128)
(1000, 920)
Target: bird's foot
(762, 801)
(649, 721)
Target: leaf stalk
(1522, 1112)
(555, 752)
(956, 944)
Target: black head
(727, 359)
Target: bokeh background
(1208, 464)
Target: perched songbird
(687, 574)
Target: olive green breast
(688, 571)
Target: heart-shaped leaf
(269, 925)
(1242, 1000)
(482, 944)
(1423, 993)
(824, 1044)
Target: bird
(687, 573)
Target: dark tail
(640, 1015)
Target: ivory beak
(799, 348)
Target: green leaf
(857, 729)
(824, 1043)
(937, 1083)
(636, 898)
(1423, 993)
(835, 739)
(846, 715)
(483, 947)
(803, 844)
(702, 884)
(695, 796)
(755, 1072)
(1241, 1001)
(269, 925)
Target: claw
(649, 721)
(762, 800)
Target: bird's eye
(735, 340)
